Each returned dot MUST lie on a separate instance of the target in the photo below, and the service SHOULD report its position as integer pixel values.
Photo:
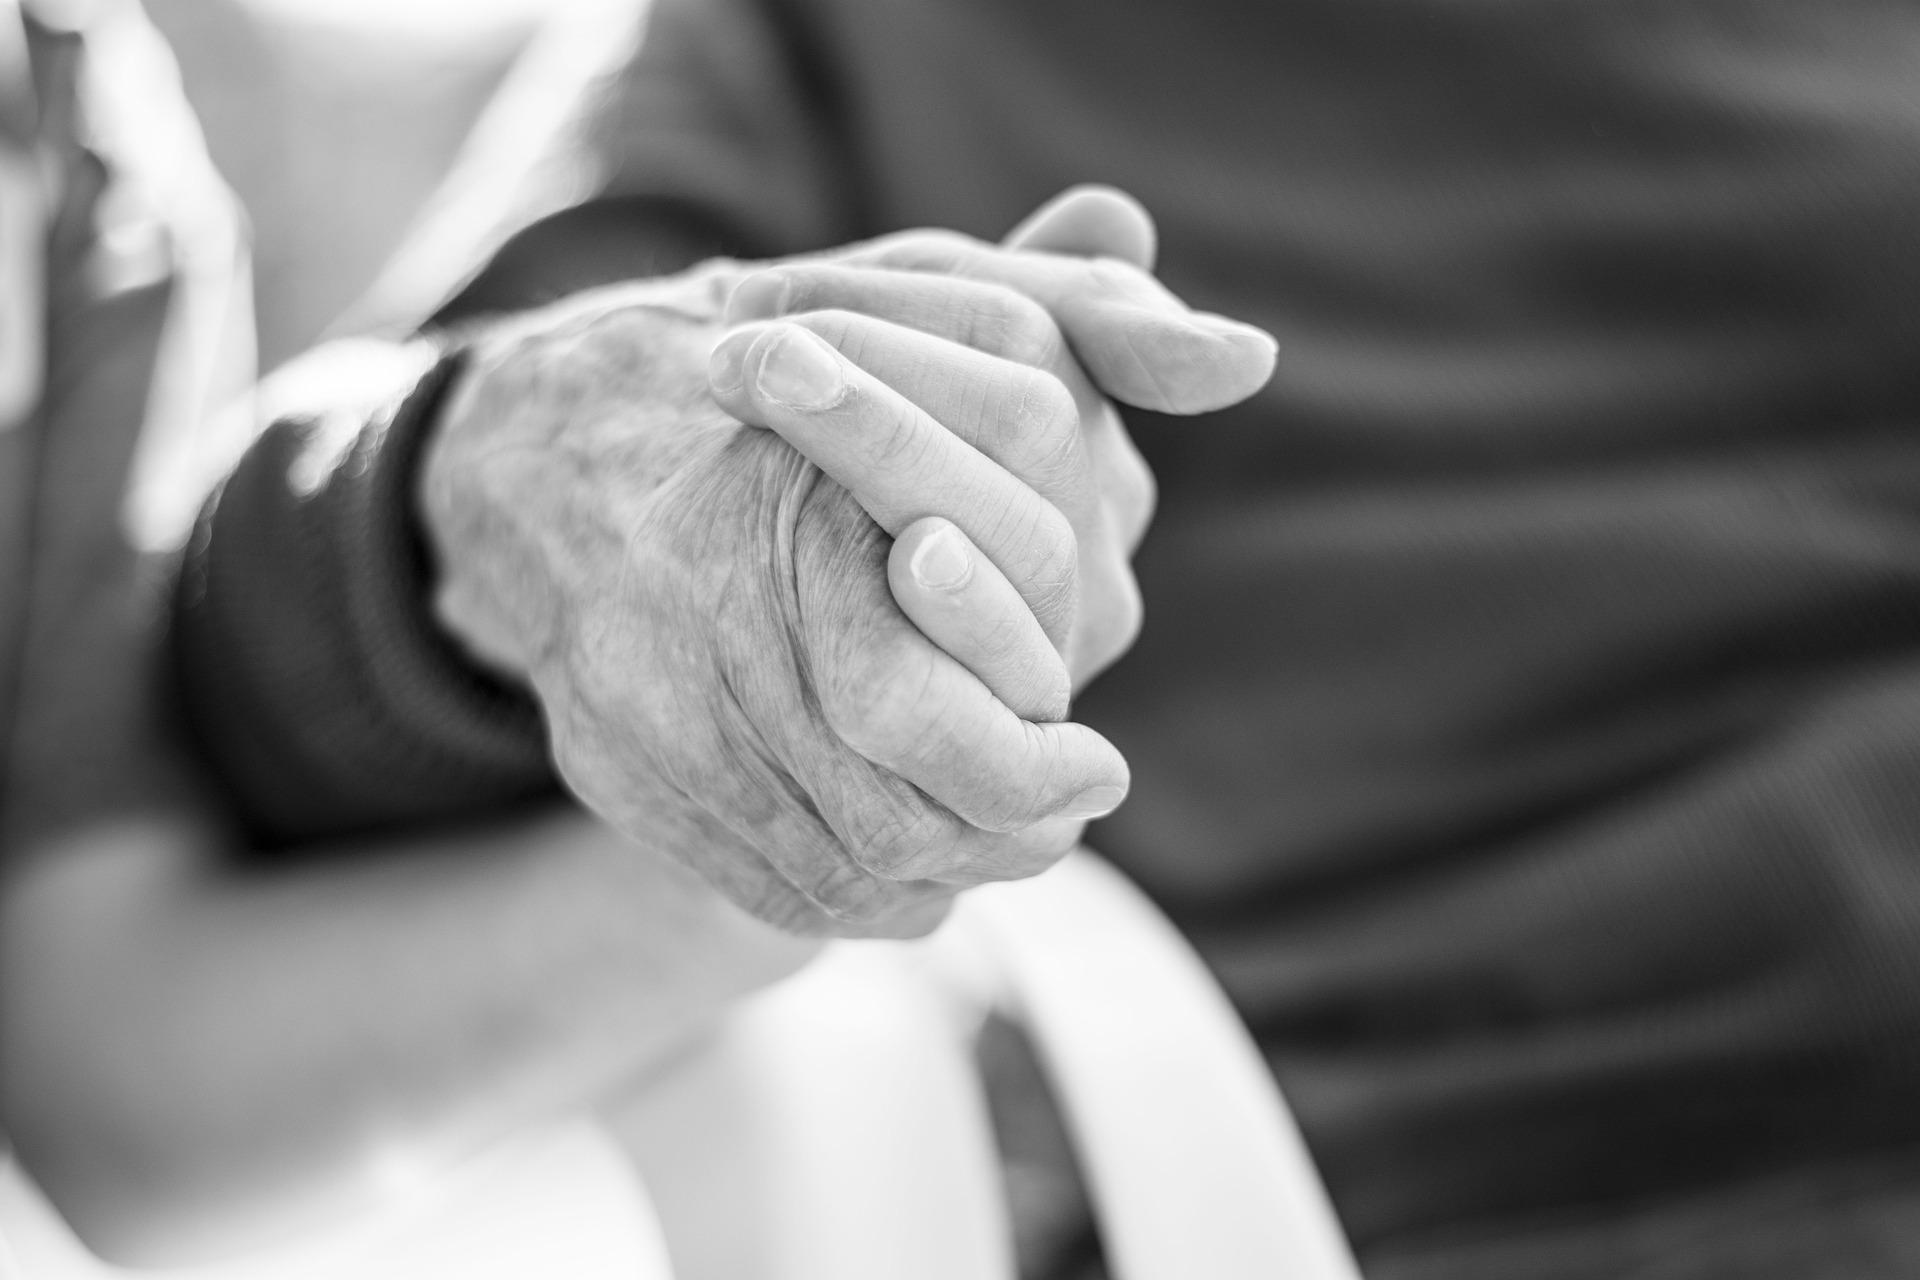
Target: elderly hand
(711, 623)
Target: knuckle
(841, 329)
(944, 238)
(928, 248)
(900, 444)
(854, 898)
(1045, 403)
(1052, 569)
(1007, 637)
(1009, 324)
(1112, 276)
(898, 836)
(890, 433)
(1048, 420)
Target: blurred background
(304, 100)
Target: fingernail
(724, 365)
(760, 297)
(799, 370)
(1094, 802)
(942, 561)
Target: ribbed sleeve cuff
(314, 677)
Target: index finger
(897, 461)
(1141, 344)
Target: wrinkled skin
(718, 581)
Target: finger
(1015, 856)
(896, 460)
(963, 604)
(989, 317)
(867, 660)
(889, 828)
(1092, 221)
(893, 829)
(773, 856)
(1029, 423)
(788, 867)
(910, 708)
(995, 319)
(1020, 416)
(1140, 343)
(960, 856)
(786, 864)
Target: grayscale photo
(959, 639)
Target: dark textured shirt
(1527, 717)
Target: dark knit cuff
(317, 683)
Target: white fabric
(522, 160)
(561, 1201)
(168, 211)
(834, 1129)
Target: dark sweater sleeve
(599, 242)
(313, 677)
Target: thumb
(1090, 221)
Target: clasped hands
(804, 560)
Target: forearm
(199, 1058)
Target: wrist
(319, 687)
(478, 498)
